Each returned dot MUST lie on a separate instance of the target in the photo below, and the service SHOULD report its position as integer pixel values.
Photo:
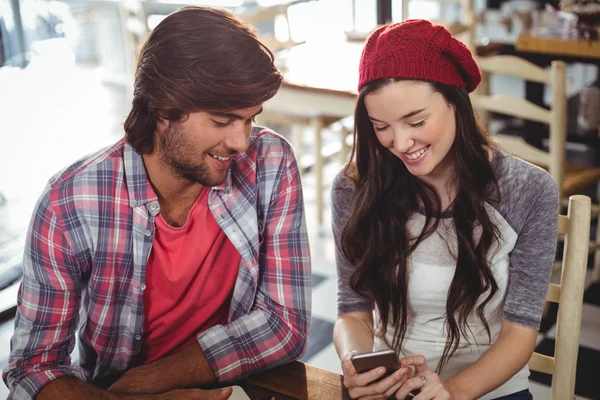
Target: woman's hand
(430, 385)
(363, 386)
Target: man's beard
(176, 156)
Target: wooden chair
(575, 226)
(135, 30)
(465, 29)
(301, 106)
(465, 24)
(570, 178)
(270, 14)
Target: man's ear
(162, 124)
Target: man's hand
(186, 368)
(196, 394)
(68, 388)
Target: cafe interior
(66, 74)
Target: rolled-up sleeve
(276, 329)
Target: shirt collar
(226, 185)
(138, 186)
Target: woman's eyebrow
(407, 115)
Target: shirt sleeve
(47, 304)
(342, 198)
(276, 329)
(531, 259)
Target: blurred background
(66, 74)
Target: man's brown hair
(198, 58)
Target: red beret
(417, 49)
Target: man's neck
(175, 194)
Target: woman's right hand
(363, 386)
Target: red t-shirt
(190, 277)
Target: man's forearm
(75, 389)
(183, 369)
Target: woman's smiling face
(415, 123)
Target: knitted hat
(417, 49)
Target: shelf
(546, 45)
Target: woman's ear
(452, 106)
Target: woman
(448, 240)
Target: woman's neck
(443, 180)
(446, 194)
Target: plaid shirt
(85, 263)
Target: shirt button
(138, 337)
(142, 287)
(152, 207)
(134, 203)
(147, 232)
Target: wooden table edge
(299, 381)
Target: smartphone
(367, 361)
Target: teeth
(414, 156)
(220, 158)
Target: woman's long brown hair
(376, 241)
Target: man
(180, 253)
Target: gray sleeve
(531, 259)
(342, 197)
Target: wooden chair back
(556, 117)
(575, 226)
